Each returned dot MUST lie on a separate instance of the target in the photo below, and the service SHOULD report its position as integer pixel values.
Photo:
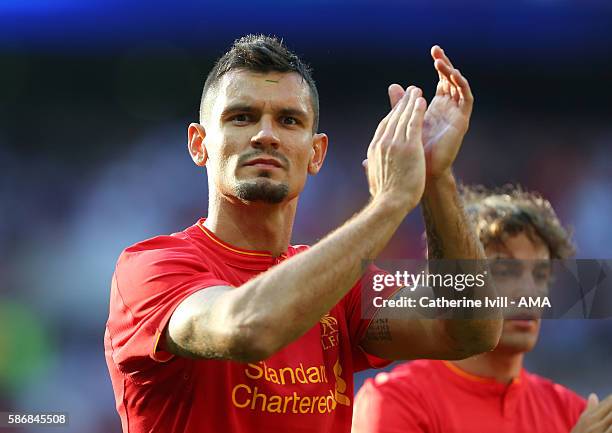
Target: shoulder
(392, 401)
(567, 399)
(158, 243)
(160, 252)
(410, 377)
(414, 371)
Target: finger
(607, 421)
(592, 401)
(396, 113)
(400, 130)
(395, 94)
(603, 408)
(444, 74)
(415, 125)
(443, 68)
(380, 129)
(382, 125)
(438, 53)
(464, 89)
(448, 74)
(454, 93)
(457, 94)
(364, 164)
(441, 85)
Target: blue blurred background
(95, 98)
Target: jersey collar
(476, 383)
(233, 255)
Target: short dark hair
(510, 210)
(262, 54)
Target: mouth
(523, 316)
(263, 163)
(525, 321)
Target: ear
(319, 150)
(195, 144)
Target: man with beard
(225, 326)
(490, 392)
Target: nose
(526, 286)
(266, 136)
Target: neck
(252, 226)
(502, 367)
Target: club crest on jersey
(329, 331)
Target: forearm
(449, 232)
(450, 236)
(263, 315)
(281, 304)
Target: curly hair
(509, 210)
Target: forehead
(274, 89)
(520, 246)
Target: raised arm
(449, 233)
(243, 323)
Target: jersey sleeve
(359, 311)
(151, 279)
(389, 408)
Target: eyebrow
(234, 108)
(293, 112)
(544, 264)
(246, 108)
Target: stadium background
(94, 103)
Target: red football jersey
(306, 387)
(436, 396)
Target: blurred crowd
(62, 231)
(81, 179)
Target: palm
(443, 130)
(448, 115)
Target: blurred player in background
(491, 392)
(225, 326)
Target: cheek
(302, 164)
(302, 153)
(223, 153)
(299, 169)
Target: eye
(504, 269)
(542, 275)
(288, 120)
(241, 119)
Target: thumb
(592, 402)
